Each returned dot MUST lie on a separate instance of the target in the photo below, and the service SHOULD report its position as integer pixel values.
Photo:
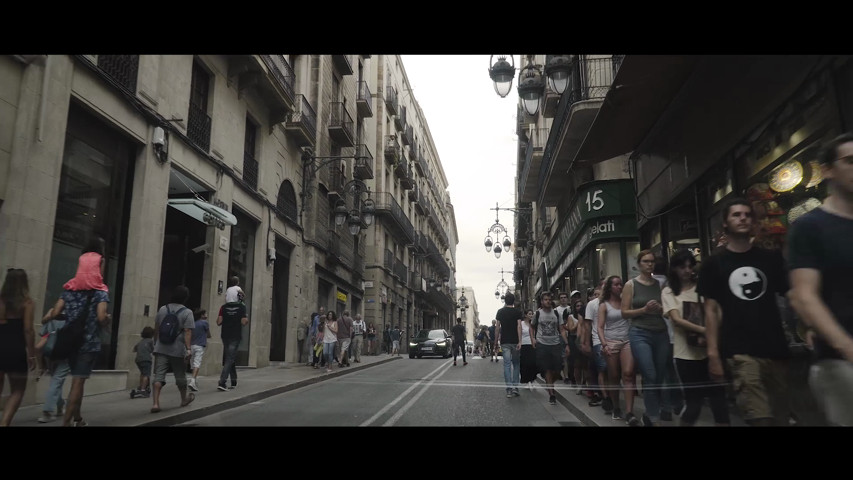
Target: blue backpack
(170, 327)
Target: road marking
(399, 398)
(391, 421)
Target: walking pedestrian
(17, 339)
(330, 339)
(144, 350)
(597, 363)
(344, 335)
(821, 263)
(616, 347)
(198, 342)
(508, 336)
(549, 340)
(743, 326)
(318, 318)
(301, 340)
(358, 329)
(58, 369)
(458, 333)
(396, 335)
(232, 318)
(386, 339)
(527, 355)
(649, 340)
(173, 352)
(680, 303)
(371, 339)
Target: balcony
(421, 243)
(424, 207)
(401, 168)
(124, 69)
(400, 119)
(392, 215)
(401, 272)
(250, 170)
(301, 124)
(341, 125)
(363, 167)
(590, 81)
(392, 149)
(343, 64)
(408, 135)
(415, 282)
(527, 182)
(414, 192)
(391, 101)
(364, 100)
(337, 180)
(422, 164)
(198, 127)
(270, 76)
(406, 180)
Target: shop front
(598, 238)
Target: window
(250, 164)
(198, 121)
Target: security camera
(271, 255)
(201, 248)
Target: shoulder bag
(72, 335)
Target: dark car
(431, 342)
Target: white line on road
(400, 397)
(391, 421)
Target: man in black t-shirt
(232, 317)
(821, 262)
(508, 336)
(743, 325)
(458, 332)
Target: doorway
(280, 289)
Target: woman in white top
(613, 332)
(527, 355)
(680, 301)
(330, 338)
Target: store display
(815, 174)
(759, 191)
(801, 208)
(787, 176)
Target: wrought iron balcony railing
(301, 124)
(124, 69)
(198, 127)
(341, 125)
(250, 170)
(364, 101)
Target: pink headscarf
(88, 275)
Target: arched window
(286, 202)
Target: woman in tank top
(17, 339)
(527, 355)
(641, 304)
(613, 332)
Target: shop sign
(624, 226)
(342, 297)
(594, 200)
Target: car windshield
(431, 334)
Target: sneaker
(222, 387)
(143, 394)
(631, 420)
(596, 401)
(616, 414)
(79, 423)
(46, 417)
(530, 386)
(647, 422)
(464, 363)
(233, 386)
(454, 363)
(666, 416)
(515, 392)
(509, 394)
(607, 405)
(679, 410)
(192, 385)
(552, 399)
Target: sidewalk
(117, 409)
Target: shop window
(632, 249)
(609, 259)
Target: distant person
(386, 339)
(371, 339)
(317, 319)
(508, 337)
(493, 347)
(17, 339)
(458, 333)
(330, 339)
(821, 262)
(396, 335)
(234, 293)
(358, 330)
(344, 335)
(198, 342)
(232, 318)
(144, 355)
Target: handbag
(72, 335)
(695, 314)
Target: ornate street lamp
(531, 87)
(499, 230)
(363, 211)
(558, 69)
(502, 73)
(501, 288)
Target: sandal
(155, 409)
(190, 398)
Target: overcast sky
(474, 131)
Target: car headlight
(440, 344)
(413, 344)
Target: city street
(406, 392)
